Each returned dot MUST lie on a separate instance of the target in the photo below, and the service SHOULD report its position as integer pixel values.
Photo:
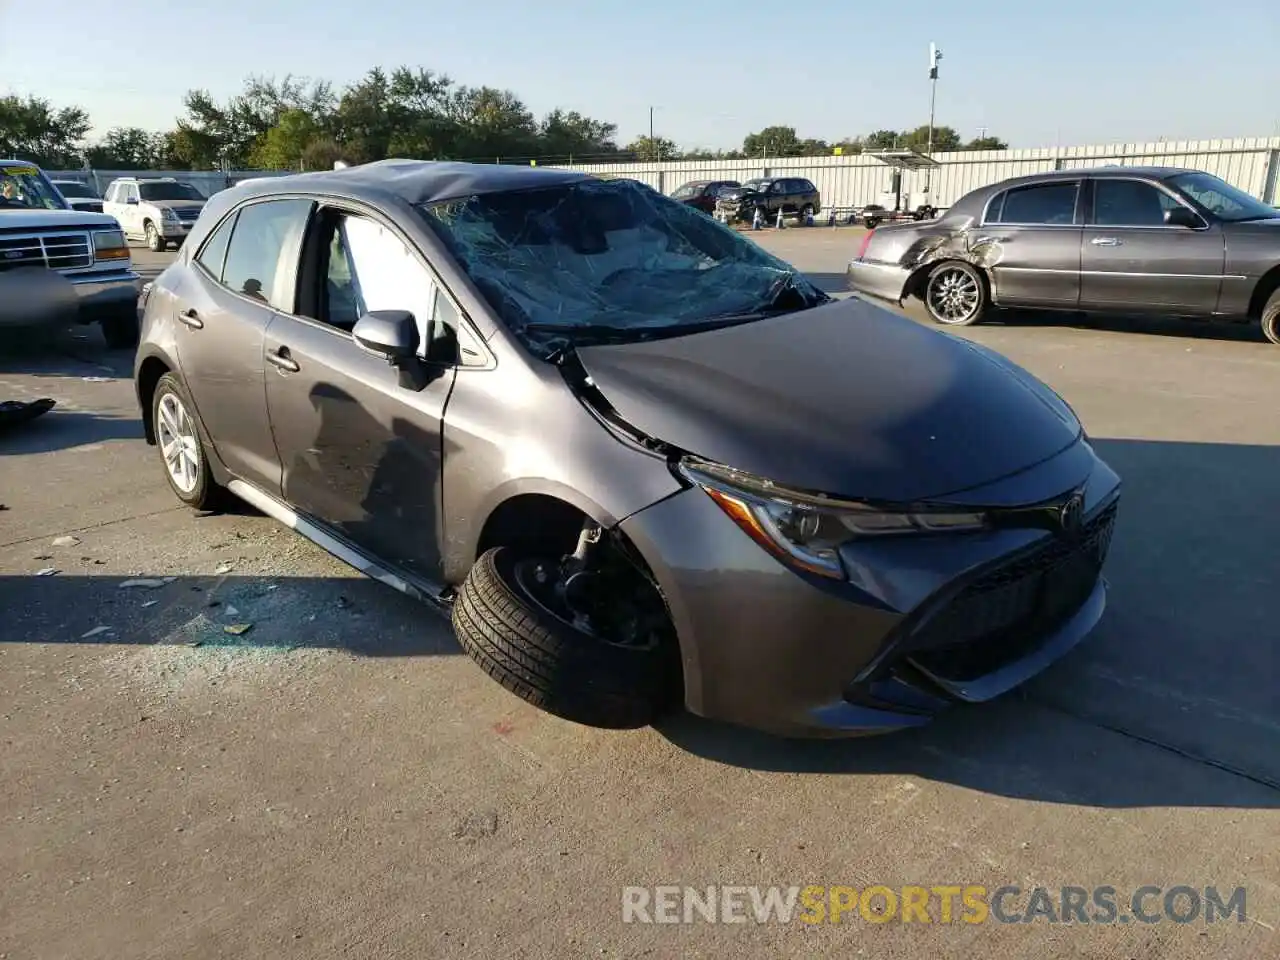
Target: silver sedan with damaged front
(1122, 240)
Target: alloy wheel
(954, 296)
(176, 435)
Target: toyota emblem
(1071, 516)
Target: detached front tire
(1271, 318)
(552, 663)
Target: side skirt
(437, 595)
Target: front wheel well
(1267, 285)
(532, 521)
(149, 374)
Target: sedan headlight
(805, 530)
(110, 245)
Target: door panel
(359, 451)
(1159, 269)
(1131, 260)
(221, 364)
(1032, 266)
(1030, 240)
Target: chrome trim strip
(1121, 273)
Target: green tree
(882, 140)
(127, 148)
(944, 139)
(570, 133)
(282, 147)
(32, 129)
(648, 150)
(776, 141)
(986, 143)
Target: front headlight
(805, 530)
(110, 245)
(167, 214)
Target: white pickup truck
(59, 265)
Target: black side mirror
(132, 200)
(1182, 217)
(388, 333)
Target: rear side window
(265, 235)
(1046, 203)
(214, 252)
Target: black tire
(960, 276)
(547, 662)
(205, 494)
(155, 242)
(121, 331)
(1271, 318)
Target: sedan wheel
(955, 295)
(1271, 318)
(186, 466)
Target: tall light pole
(934, 56)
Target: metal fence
(1250, 163)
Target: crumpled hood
(735, 194)
(846, 399)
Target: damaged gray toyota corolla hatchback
(642, 461)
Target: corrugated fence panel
(1249, 163)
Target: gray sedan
(1114, 239)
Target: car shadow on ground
(75, 352)
(1170, 702)
(1152, 325)
(61, 429)
(232, 614)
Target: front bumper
(921, 624)
(175, 229)
(45, 298)
(887, 281)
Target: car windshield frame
(28, 182)
(1249, 206)
(758, 184)
(147, 191)
(85, 192)
(574, 261)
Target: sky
(1032, 72)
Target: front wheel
(955, 294)
(155, 242)
(1271, 318)
(516, 619)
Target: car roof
(412, 181)
(16, 163)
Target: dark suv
(702, 194)
(794, 196)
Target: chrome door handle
(191, 319)
(1106, 241)
(282, 360)
(982, 240)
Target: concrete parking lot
(338, 779)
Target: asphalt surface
(338, 780)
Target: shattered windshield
(25, 188)
(610, 260)
(759, 186)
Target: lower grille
(1008, 611)
(57, 251)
